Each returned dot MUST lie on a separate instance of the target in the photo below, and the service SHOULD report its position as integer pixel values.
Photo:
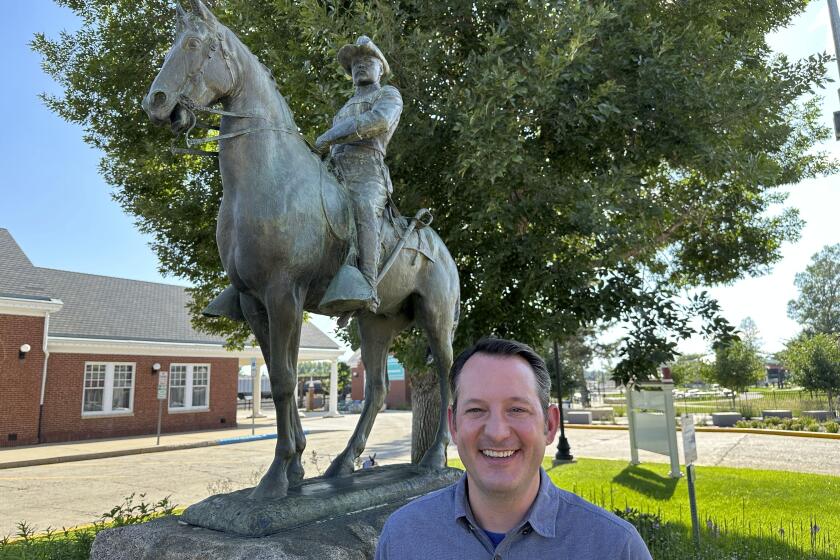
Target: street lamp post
(563, 450)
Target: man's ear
(552, 422)
(450, 417)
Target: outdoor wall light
(24, 350)
(155, 368)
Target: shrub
(832, 427)
(773, 421)
(742, 424)
(813, 427)
(757, 424)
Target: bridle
(192, 108)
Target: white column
(256, 388)
(333, 411)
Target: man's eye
(473, 410)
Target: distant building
(775, 374)
(78, 355)
(399, 390)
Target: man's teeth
(492, 453)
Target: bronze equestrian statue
(286, 228)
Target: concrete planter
(578, 417)
(725, 419)
(601, 414)
(818, 415)
(777, 413)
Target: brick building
(81, 355)
(399, 389)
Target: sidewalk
(48, 453)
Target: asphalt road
(69, 494)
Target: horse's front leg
(284, 319)
(377, 333)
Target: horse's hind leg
(437, 316)
(285, 318)
(377, 333)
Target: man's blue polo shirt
(441, 526)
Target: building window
(189, 386)
(108, 389)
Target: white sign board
(689, 439)
(163, 385)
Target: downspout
(44, 374)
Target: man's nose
(497, 427)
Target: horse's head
(195, 71)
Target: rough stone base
(341, 536)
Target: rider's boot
(368, 245)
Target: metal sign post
(690, 453)
(163, 385)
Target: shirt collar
(541, 517)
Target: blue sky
(59, 209)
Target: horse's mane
(286, 112)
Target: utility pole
(835, 31)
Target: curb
(713, 429)
(135, 451)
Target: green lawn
(744, 503)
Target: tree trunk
(425, 404)
(830, 403)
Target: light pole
(835, 31)
(563, 450)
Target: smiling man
(505, 506)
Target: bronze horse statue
(285, 228)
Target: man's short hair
(503, 347)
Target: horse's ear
(183, 16)
(202, 11)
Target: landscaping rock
(777, 413)
(818, 415)
(725, 419)
(601, 414)
(578, 417)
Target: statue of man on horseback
(285, 231)
(357, 142)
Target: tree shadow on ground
(646, 482)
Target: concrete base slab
(316, 499)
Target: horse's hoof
(433, 458)
(270, 489)
(339, 467)
(295, 474)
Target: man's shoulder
(584, 513)
(433, 506)
(389, 91)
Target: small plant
(773, 421)
(742, 424)
(129, 513)
(831, 427)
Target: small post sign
(162, 388)
(163, 385)
(689, 439)
(690, 453)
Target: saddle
(348, 281)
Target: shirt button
(526, 530)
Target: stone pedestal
(323, 518)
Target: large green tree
(817, 308)
(814, 363)
(737, 366)
(585, 161)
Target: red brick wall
(357, 382)
(399, 392)
(63, 419)
(20, 380)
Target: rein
(192, 108)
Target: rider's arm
(384, 113)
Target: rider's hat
(363, 46)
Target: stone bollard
(725, 419)
(777, 414)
